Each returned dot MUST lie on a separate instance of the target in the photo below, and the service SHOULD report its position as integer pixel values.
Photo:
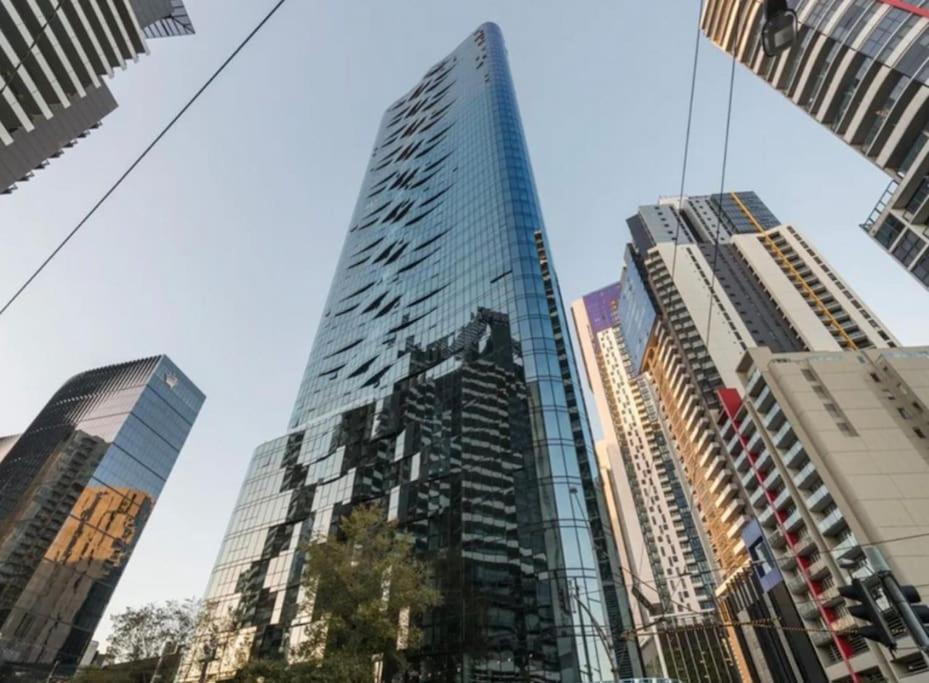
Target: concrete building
(861, 69)
(833, 450)
(76, 490)
(760, 285)
(54, 59)
(672, 585)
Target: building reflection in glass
(76, 490)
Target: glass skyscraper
(442, 385)
(76, 489)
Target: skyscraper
(76, 489)
(833, 450)
(53, 59)
(442, 386)
(862, 70)
(703, 302)
(673, 584)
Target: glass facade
(76, 489)
(442, 386)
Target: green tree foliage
(141, 632)
(366, 592)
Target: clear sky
(220, 248)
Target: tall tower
(722, 274)
(54, 59)
(861, 69)
(673, 583)
(442, 386)
(76, 490)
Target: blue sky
(219, 250)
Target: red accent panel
(912, 9)
(731, 401)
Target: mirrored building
(442, 387)
(76, 489)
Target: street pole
(896, 597)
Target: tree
(365, 595)
(141, 632)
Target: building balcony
(754, 384)
(742, 463)
(785, 437)
(796, 456)
(782, 499)
(819, 569)
(773, 481)
(776, 539)
(764, 461)
(808, 477)
(764, 399)
(805, 545)
(798, 585)
(820, 499)
(830, 597)
(809, 611)
(717, 482)
(754, 442)
(757, 499)
(833, 523)
(847, 547)
(734, 445)
(750, 481)
(794, 520)
(821, 638)
(844, 624)
(728, 493)
(774, 418)
(766, 518)
(735, 505)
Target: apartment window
(922, 191)
(846, 429)
(919, 432)
(921, 269)
(889, 231)
(908, 247)
(904, 413)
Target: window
(919, 432)
(908, 248)
(921, 270)
(889, 231)
(919, 196)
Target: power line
(690, 116)
(125, 174)
(722, 187)
(39, 34)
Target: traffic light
(780, 27)
(869, 611)
(907, 602)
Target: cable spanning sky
(220, 248)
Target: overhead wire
(145, 152)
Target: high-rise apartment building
(76, 490)
(833, 450)
(54, 58)
(860, 68)
(441, 386)
(759, 284)
(672, 585)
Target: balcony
(821, 638)
(833, 523)
(798, 585)
(808, 477)
(776, 539)
(734, 506)
(847, 547)
(820, 499)
(785, 437)
(764, 462)
(795, 457)
(754, 442)
(734, 444)
(775, 418)
(750, 481)
(754, 383)
(742, 463)
(766, 518)
(793, 521)
(764, 399)
(805, 544)
(728, 493)
(819, 569)
(773, 481)
(757, 499)
(718, 481)
(809, 610)
(782, 498)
